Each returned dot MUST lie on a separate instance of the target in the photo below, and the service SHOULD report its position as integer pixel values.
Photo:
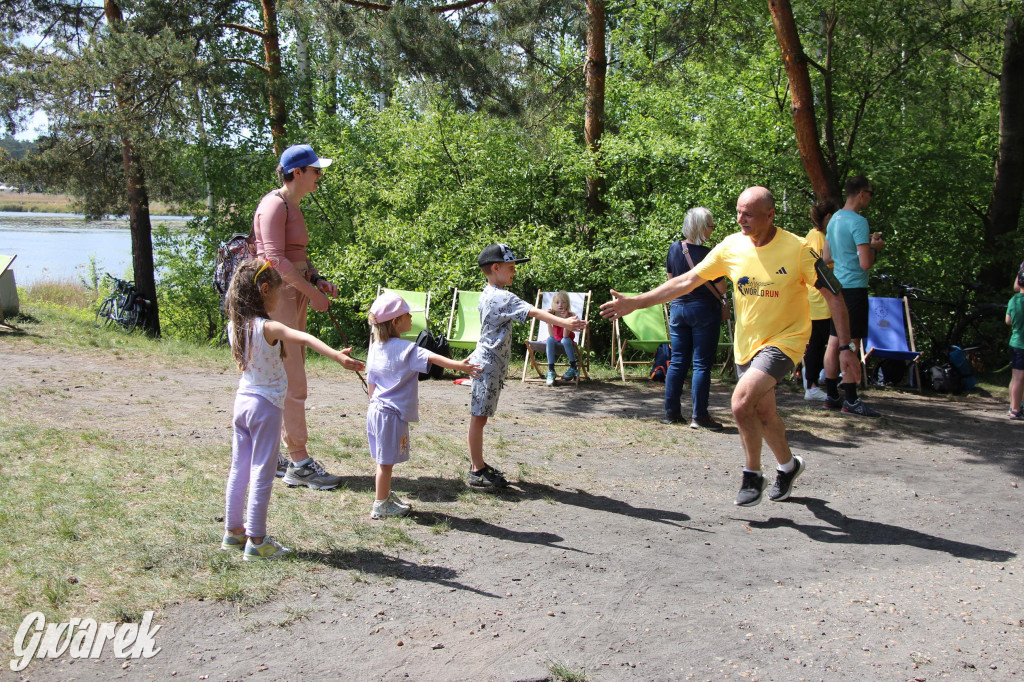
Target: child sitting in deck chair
(559, 336)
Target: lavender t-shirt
(393, 367)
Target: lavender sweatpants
(254, 450)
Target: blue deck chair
(890, 333)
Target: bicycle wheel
(131, 319)
(103, 314)
(983, 337)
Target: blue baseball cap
(300, 156)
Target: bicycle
(979, 329)
(123, 306)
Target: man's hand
(327, 288)
(877, 243)
(319, 302)
(617, 307)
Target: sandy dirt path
(898, 557)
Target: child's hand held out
(345, 359)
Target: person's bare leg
(383, 480)
(476, 441)
(773, 428)
(750, 391)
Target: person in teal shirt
(1015, 318)
(852, 250)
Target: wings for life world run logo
(749, 286)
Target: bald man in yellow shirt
(770, 269)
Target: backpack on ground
(231, 254)
(943, 379)
(659, 370)
(434, 344)
(958, 359)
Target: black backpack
(438, 345)
(943, 379)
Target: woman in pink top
(281, 238)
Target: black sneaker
(859, 408)
(783, 485)
(706, 423)
(677, 419)
(282, 466)
(750, 492)
(833, 403)
(488, 477)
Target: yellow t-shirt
(769, 291)
(819, 308)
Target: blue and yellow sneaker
(233, 542)
(268, 549)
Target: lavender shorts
(388, 434)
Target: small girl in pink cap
(392, 374)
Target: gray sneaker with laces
(751, 488)
(783, 485)
(312, 475)
(859, 408)
(388, 508)
(282, 466)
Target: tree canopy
(454, 124)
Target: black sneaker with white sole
(783, 485)
(751, 489)
(282, 466)
(488, 478)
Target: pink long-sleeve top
(281, 235)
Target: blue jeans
(552, 350)
(693, 329)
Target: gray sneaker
(784, 481)
(312, 475)
(751, 489)
(268, 549)
(859, 408)
(388, 508)
(282, 466)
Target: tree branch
(244, 29)
(249, 62)
(463, 4)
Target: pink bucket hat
(388, 306)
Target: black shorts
(1016, 358)
(857, 309)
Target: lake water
(60, 245)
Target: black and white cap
(498, 253)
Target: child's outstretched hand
(467, 367)
(575, 324)
(346, 360)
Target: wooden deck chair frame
(536, 341)
(464, 320)
(415, 299)
(892, 353)
(620, 344)
(5, 263)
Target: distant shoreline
(39, 202)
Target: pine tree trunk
(275, 86)
(801, 95)
(142, 234)
(138, 199)
(1008, 188)
(593, 126)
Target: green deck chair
(648, 328)
(419, 301)
(464, 321)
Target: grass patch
(65, 293)
(38, 202)
(560, 672)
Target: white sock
(788, 466)
(746, 470)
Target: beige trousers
(291, 310)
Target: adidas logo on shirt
(781, 271)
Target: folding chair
(649, 327)
(579, 303)
(417, 300)
(890, 333)
(7, 284)
(464, 321)
(726, 344)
